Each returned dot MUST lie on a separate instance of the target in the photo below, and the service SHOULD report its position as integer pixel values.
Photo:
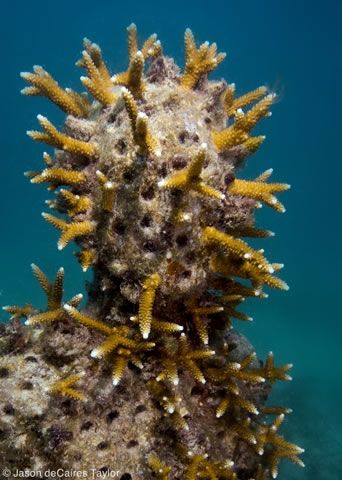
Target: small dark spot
(104, 469)
(182, 240)
(150, 246)
(31, 359)
(220, 434)
(207, 120)
(148, 194)
(78, 456)
(102, 446)
(186, 274)
(112, 415)
(146, 221)
(196, 390)
(121, 146)
(128, 176)
(57, 436)
(183, 136)
(126, 476)
(140, 408)
(27, 386)
(9, 409)
(68, 407)
(229, 178)
(132, 444)
(4, 372)
(86, 425)
(196, 138)
(190, 257)
(3, 434)
(162, 170)
(179, 162)
(119, 228)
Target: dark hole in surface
(128, 176)
(120, 228)
(4, 372)
(148, 194)
(31, 359)
(150, 246)
(126, 476)
(104, 469)
(229, 178)
(3, 434)
(196, 390)
(182, 240)
(9, 409)
(183, 136)
(86, 425)
(140, 408)
(195, 138)
(112, 415)
(121, 146)
(186, 274)
(179, 162)
(163, 170)
(146, 221)
(132, 444)
(207, 120)
(102, 446)
(27, 386)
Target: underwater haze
(294, 47)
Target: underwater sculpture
(150, 380)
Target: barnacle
(145, 182)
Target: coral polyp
(144, 174)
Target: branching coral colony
(144, 174)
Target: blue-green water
(293, 46)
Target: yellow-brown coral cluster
(156, 208)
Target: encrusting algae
(150, 379)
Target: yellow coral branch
(189, 179)
(259, 190)
(238, 247)
(59, 140)
(198, 61)
(146, 302)
(43, 84)
(86, 258)
(65, 388)
(70, 231)
(59, 176)
(98, 81)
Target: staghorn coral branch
(43, 84)
(59, 176)
(146, 302)
(98, 81)
(59, 140)
(198, 61)
(133, 78)
(238, 247)
(238, 133)
(189, 179)
(87, 321)
(232, 105)
(65, 388)
(260, 190)
(18, 312)
(86, 258)
(70, 231)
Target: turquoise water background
(292, 46)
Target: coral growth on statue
(146, 180)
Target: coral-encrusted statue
(150, 380)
